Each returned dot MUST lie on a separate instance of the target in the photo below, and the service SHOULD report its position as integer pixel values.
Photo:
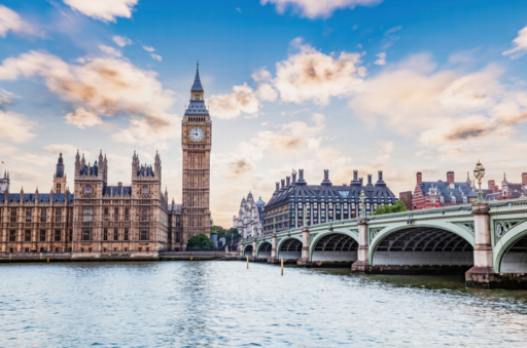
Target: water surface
(222, 304)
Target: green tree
(199, 242)
(398, 206)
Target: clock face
(196, 134)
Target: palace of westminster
(101, 220)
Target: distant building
(406, 198)
(323, 203)
(431, 194)
(508, 190)
(249, 221)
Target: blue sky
(338, 84)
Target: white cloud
(11, 21)
(66, 149)
(83, 118)
(149, 49)
(153, 55)
(110, 51)
(310, 75)
(102, 86)
(242, 99)
(519, 44)
(121, 41)
(317, 8)
(15, 127)
(156, 57)
(381, 58)
(105, 10)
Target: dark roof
(196, 86)
(459, 190)
(118, 190)
(350, 193)
(42, 197)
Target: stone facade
(98, 220)
(249, 221)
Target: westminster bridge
(487, 239)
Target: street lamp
(479, 173)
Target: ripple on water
(221, 304)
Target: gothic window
(115, 234)
(105, 234)
(13, 215)
(12, 235)
(42, 235)
(57, 235)
(86, 234)
(58, 215)
(43, 214)
(116, 214)
(87, 214)
(27, 236)
(126, 237)
(143, 214)
(106, 212)
(29, 213)
(127, 214)
(57, 188)
(143, 234)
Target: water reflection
(221, 304)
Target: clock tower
(196, 143)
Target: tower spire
(197, 86)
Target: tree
(398, 206)
(199, 242)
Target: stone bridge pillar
(272, 259)
(304, 257)
(361, 265)
(482, 273)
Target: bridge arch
(511, 251)
(422, 245)
(289, 248)
(248, 250)
(333, 246)
(263, 250)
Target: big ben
(196, 144)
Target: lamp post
(479, 173)
(362, 206)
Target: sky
(370, 85)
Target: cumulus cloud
(121, 41)
(15, 127)
(242, 99)
(152, 51)
(104, 10)
(83, 118)
(519, 44)
(443, 106)
(11, 21)
(156, 57)
(317, 8)
(102, 86)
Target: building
(196, 133)
(406, 198)
(102, 220)
(249, 221)
(431, 194)
(322, 203)
(508, 190)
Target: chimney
(301, 180)
(282, 184)
(492, 185)
(326, 180)
(361, 181)
(288, 181)
(355, 176)
(369, 179)
(419, 178)
(293, 177)
(277, 186)
(380, 180)
(450, 177)
(524, 179)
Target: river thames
(222, 304)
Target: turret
(59, 179)
(4, 183)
